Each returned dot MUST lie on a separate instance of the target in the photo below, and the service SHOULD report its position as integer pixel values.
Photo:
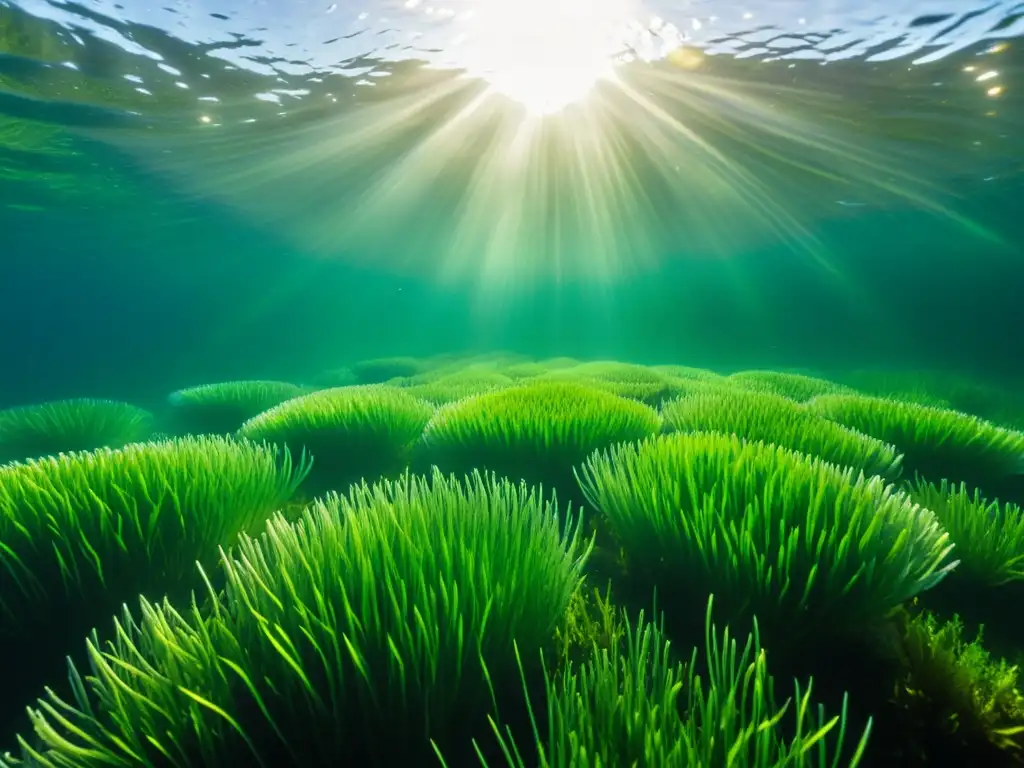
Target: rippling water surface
(524, 138)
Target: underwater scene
(511, 383)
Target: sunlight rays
(600, 177)
(543, 54)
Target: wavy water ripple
(697, 126)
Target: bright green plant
(457, 386)
(223, 407)
(443, 369)
(734, 719)
(525, 370)
(62, 426)
(775, 419)
(795, 386)
(551, 363)
(84, 532)
(686, 372)
(353, 433)
(998, 401)
(922, 387)
(936, 443)
(614, 709)
(473, 365)
(612, 370)
(379, 370)
(801, 543)
(628, 380)
(536, 431)
(989, 536)
(625, 710)
(353, 636)
(448, 365)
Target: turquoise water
(777, 186)
(659, 258)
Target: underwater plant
(795, 386)
(952, 699)
(83, 532)
(552, 363)
(376, 622)
(922, 387)
(524, 369)
(443, 368)
(1000, 402)
(527, 370)
(1002, 405)
(456, 386)
(635, 382)
(352, 433)
(638, 708)
(803, 544)
(688, 372)
(223, 407)
(536, 430)
(382, 369)
(62, 426)
(591, 620)
(936, 443)
(989, 536)
(613, 370)
(497, 362)
(776, 419)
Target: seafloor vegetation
(508, 562)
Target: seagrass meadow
(494, 560)
(511, 384)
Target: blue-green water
(763, 208)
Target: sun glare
(544, 54)
(475, 170)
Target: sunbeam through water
(544, 54)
